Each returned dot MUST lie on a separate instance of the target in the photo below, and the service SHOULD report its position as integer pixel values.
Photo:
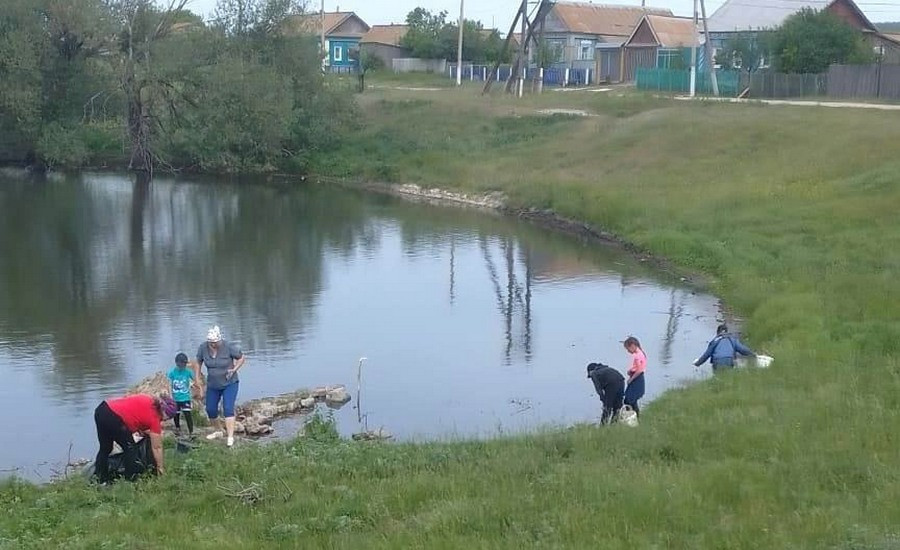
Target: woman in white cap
(223, 361)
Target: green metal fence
(679, 80)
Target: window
(338, 53)
(556, 50)
(585, 50)
(670, 59)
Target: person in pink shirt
(636, 385)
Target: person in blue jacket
(723, 349)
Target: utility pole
(459, 47)
(694, 56)
(324, 51)
(707, 48)
(522, 39)
(880, 49)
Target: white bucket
(763, 361)
(628, 417)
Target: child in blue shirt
(181, 380)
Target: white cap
(214, 334)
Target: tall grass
(791, 212)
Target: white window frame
(338, 52)
(586, 50)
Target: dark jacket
(722, 350)
(606, 379)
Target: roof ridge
(670, 16)
(605, 5)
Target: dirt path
(833, 104)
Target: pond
(473, 324)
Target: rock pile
(373, 435)
(158, 384)
(255, 417)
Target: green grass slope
(791, 212)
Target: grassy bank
(792, 214)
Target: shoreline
(497, 203)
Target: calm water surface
(472, 324)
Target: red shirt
(138, 412)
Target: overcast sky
(499, 13)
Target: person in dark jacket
(723, 349)
(610, 386)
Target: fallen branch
(288, 491)
(249, 495)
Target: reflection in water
(676, 310)
(513, 303)
(452, 269)
(103, 280)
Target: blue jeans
(228, 395)
(634, 392)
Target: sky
(499, 13)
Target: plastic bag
(628, 416)
(140, 453)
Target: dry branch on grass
(247, 494)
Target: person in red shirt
(118, 419)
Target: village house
(591, 36)
(660, 41)
(739, 17)
(385, 43)
(343, 33)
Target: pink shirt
(638, 363)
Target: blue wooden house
(343, 32)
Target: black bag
(139, 455)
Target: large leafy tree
(424, 35)
(83, 80)
(53, 78)
(810, 41)
(260, 102)
(431, 36)
(142, 27)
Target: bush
(810, 41)
(62, 146)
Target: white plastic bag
(628, 417)
(763, 361)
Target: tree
(258, 101)
(76, 76)
(423, 36)
(366, 61)
(493, 49)
(142, 26)
(22, 42)
(810, 41)
(52, 78)
(431, 36)
(746, 51)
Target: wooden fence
(864, 81)
(766, 84)
(416, 65)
